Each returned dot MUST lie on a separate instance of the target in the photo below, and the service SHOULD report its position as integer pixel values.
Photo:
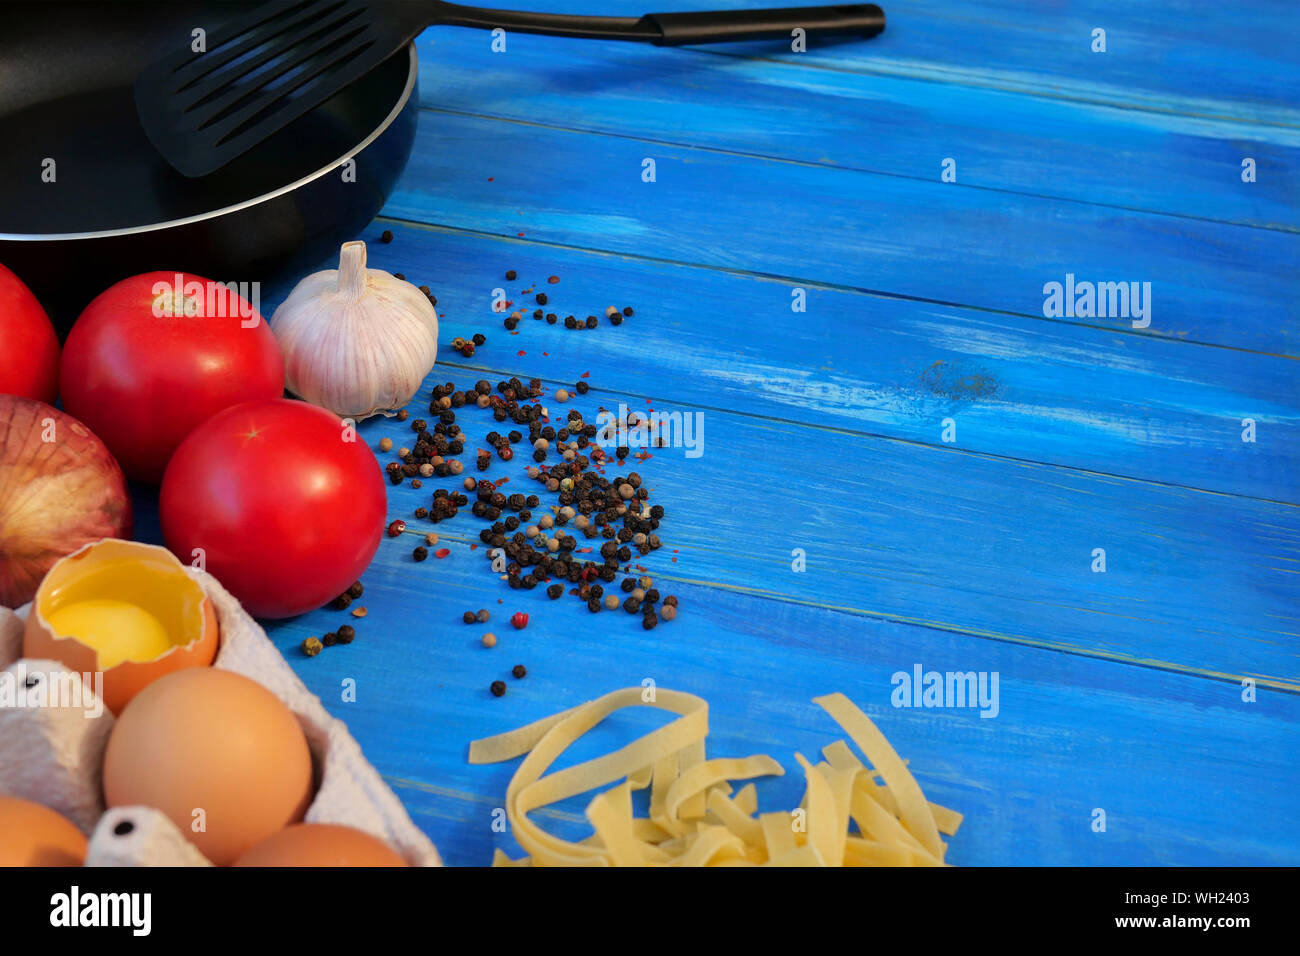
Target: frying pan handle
(725, 26)
(676, 29)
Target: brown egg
(219, 754)
(321, 844)
(123, 608)
(33, 835)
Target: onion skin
(55, 496)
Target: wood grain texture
(809, 111)
(1210, 282)
(1179, 56)
(1186, 772)
(1119, 691)
(955, 540)
(1022, 388)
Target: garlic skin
(356, 341)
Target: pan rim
(412, 77)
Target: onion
(60, 488)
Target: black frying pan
(86, 199)
(116, 208)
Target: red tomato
(156, 355)
(29, 347)
(287, 511)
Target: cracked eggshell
(144, 574)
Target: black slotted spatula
(265, 69)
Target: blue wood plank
(1165, 162)
(929, 241)
(1004, 550)
(1024, 388)
(1186, 772)
(1235, 62)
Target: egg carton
(53, 755)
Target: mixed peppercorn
(533, 544)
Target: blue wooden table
(925, 465)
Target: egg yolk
(116, 630)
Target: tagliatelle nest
(694, 819)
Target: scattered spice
(442, 552)
(561, 395)
(312, 646)
(519, 671)
(668, 612)
(329, 639)
(420, 552)
(396, 527)
(498, 688)
(490, 640)
(358, 612)
(385, 444)
(346, 634)
(541, 298)
(519, 620)
(430, 539)
(386, 236)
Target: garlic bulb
(355, 340)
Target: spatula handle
(725, 26)
(676, 29)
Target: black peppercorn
(469, 617)
(498, 688)
(583, 388)
(511, 322)
(346, 633)
(541, 298)
(649, 622)
(420, 553)
(356, 590)
(519, 670)
(627, 310)
(616, 319)
(386, 236)
(511, 275)
(592, 321)
(570, 322)
(554, 591)
(479, 338)
(329, 639)
(631, 605)
(551, 318)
